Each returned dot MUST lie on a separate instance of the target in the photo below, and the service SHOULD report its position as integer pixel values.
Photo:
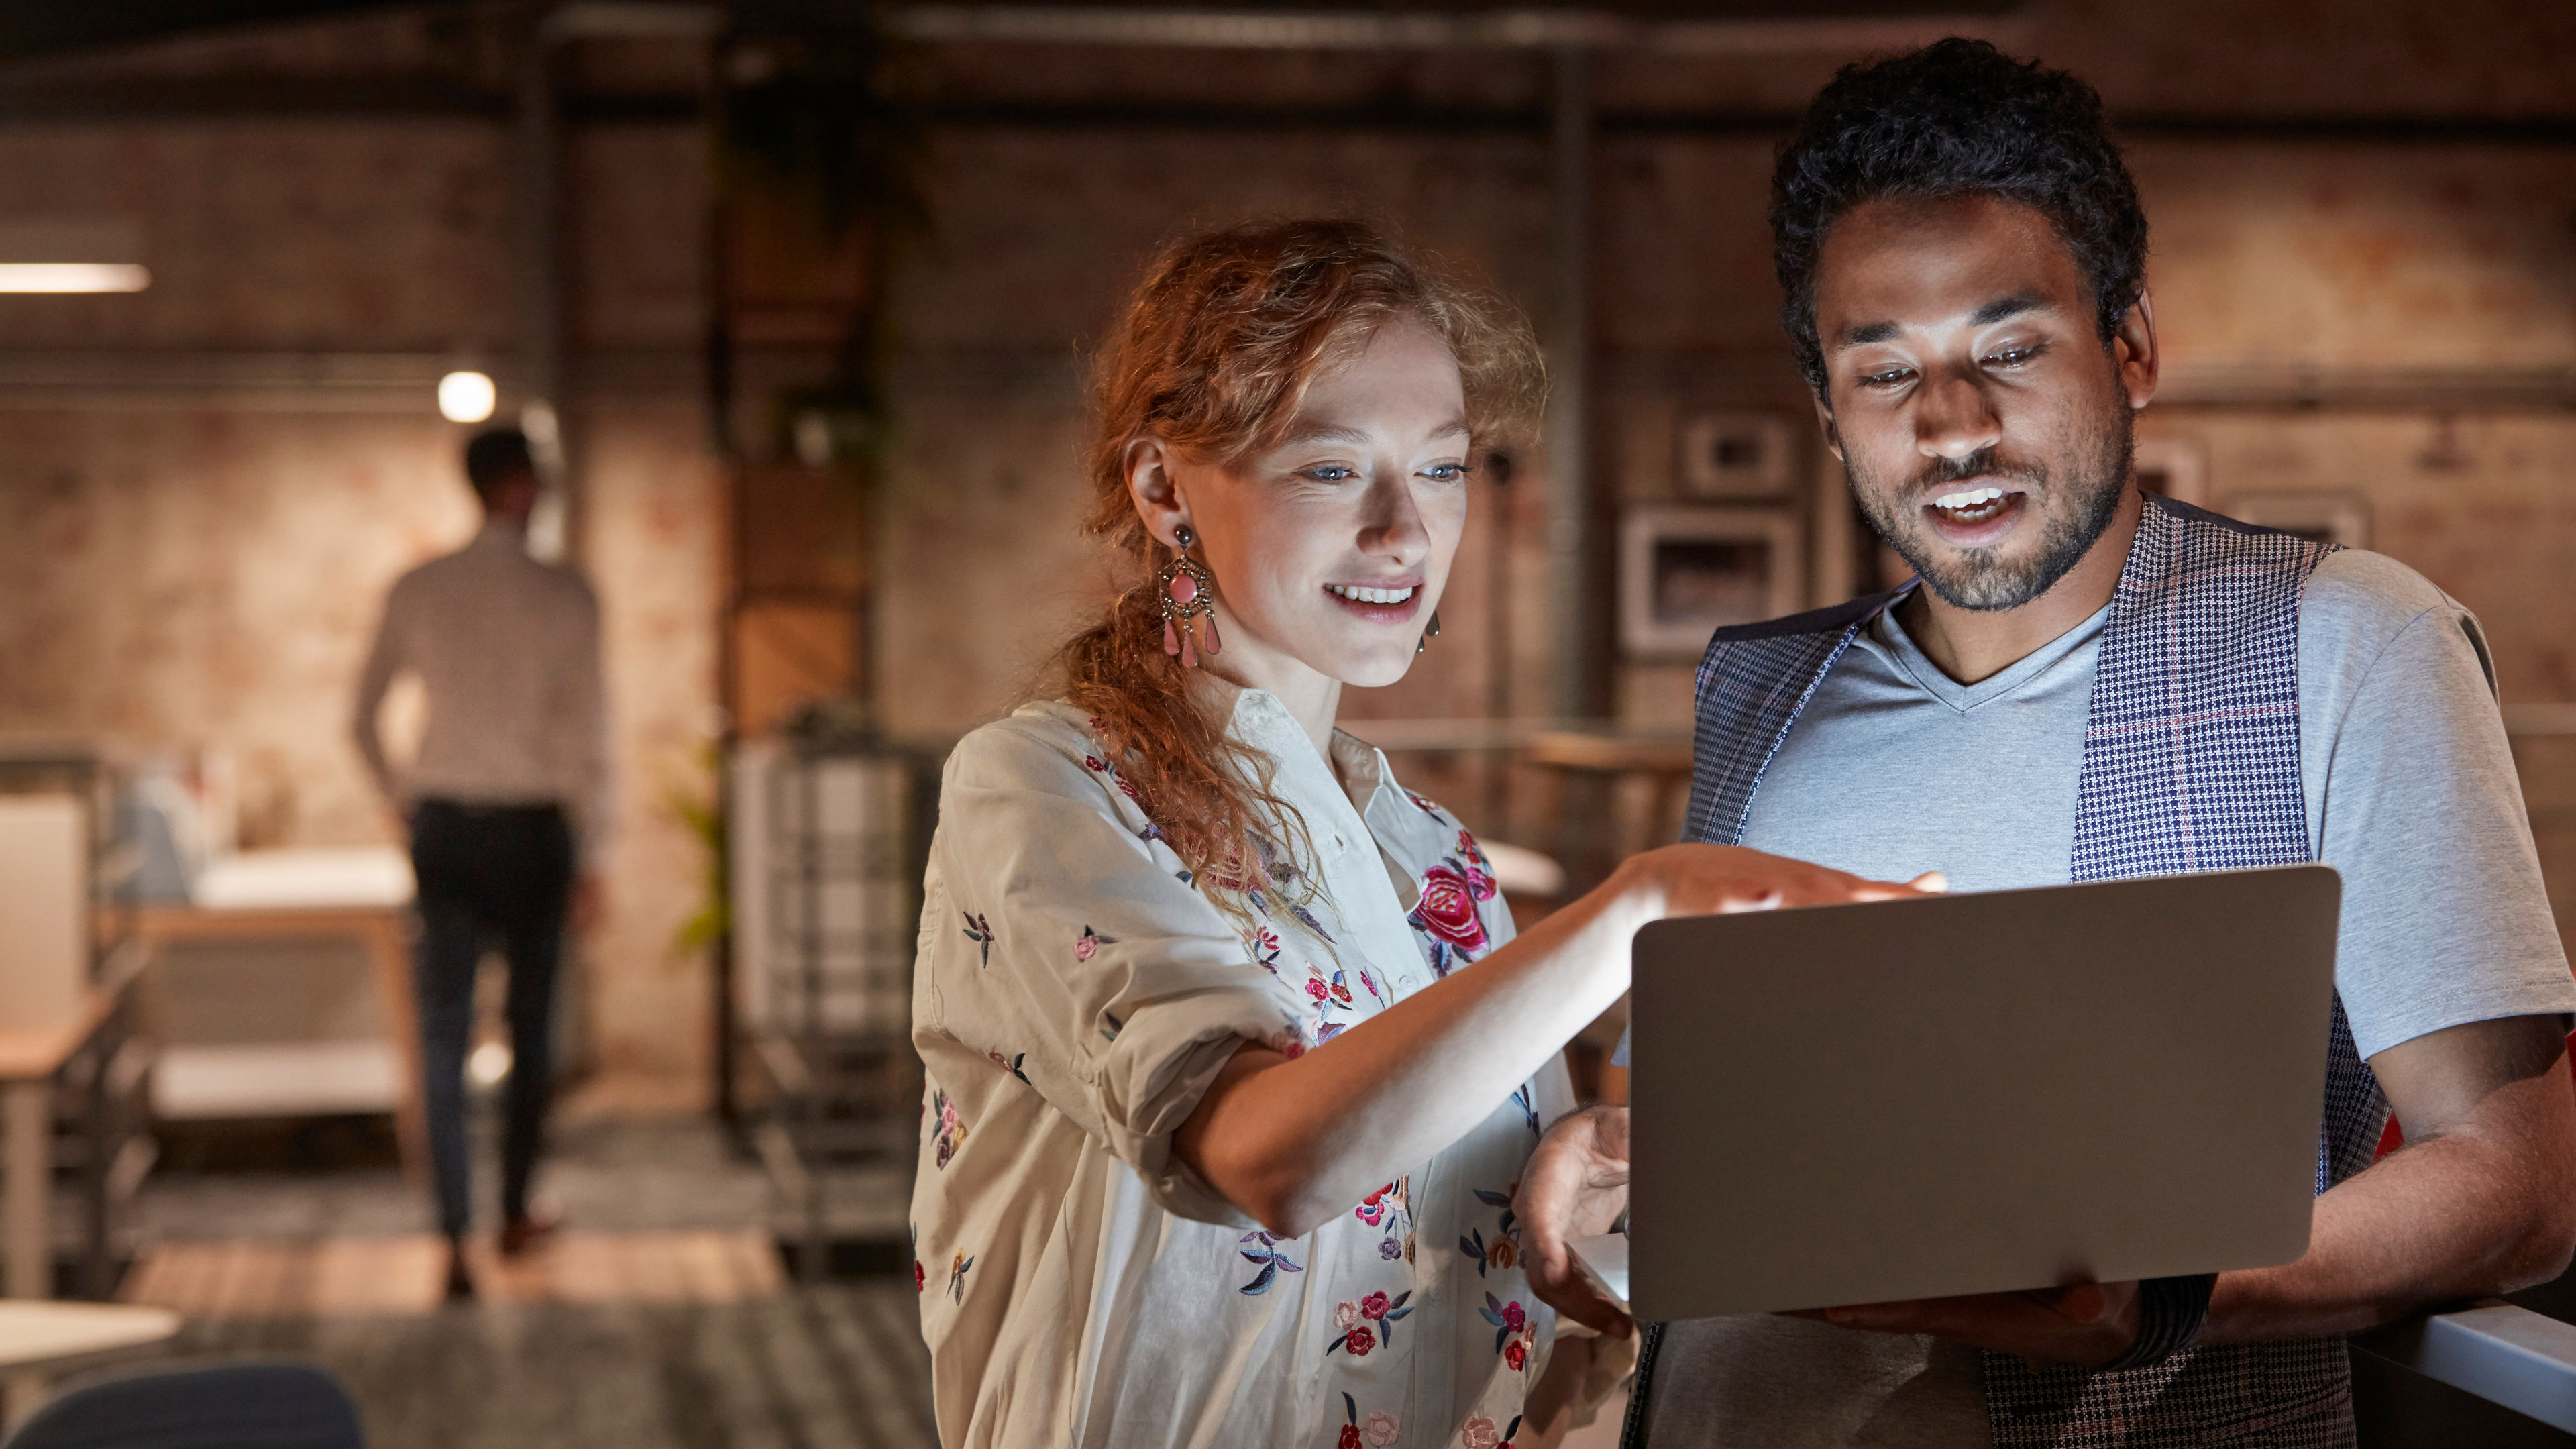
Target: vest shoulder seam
(1830, 620)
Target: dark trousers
(487, 872)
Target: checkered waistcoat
(2191, 762)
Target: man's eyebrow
(2012, 306)
(1861, 334)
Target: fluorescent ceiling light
(73, 277)
(466, 397)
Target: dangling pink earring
(1188, 593)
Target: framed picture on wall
(2326, 516)
(1686, 570)
(2174, 467)
(1737, 455)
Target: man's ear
(1825, 420)
(2134, 349)
(1154, 490)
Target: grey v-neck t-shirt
(1895, 769)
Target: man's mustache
(1983, 463)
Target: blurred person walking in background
(506, 802)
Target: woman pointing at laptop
(1233, 1057)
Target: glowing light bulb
(488, 1065)
(73, 277)
(466, 397)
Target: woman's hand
(1703, 880)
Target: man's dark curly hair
(1954, 118)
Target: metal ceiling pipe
(536, 160)
(1551, 30)
(543, 289)
(1574, 604)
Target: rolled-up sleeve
(1085, 960)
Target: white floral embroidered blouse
(1074, 996)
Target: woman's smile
(1379, 603)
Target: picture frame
(2178, 468)
(2325, 515)
(1737, 455)
(1687, 570)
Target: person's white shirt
(1075, 994)
(507, 650)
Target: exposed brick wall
(183, 574)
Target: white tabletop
(364, 875)
(36, 1334)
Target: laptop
(1975, 1093)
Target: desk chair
(229, 1406)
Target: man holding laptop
(2089, 685)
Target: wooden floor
(251, 1278)
(832, 1366)
(659, 1320)
(626, 1340)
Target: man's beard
(1975, 578)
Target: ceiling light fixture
(466, 397)
(73, 277)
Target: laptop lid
(1978, 1093)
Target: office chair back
(230, 1406)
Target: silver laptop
(1977, 1093)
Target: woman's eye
(1330, 473)
(1445, 472)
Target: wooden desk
(385, 930)
(30, 1059)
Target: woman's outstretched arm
(1293, 1141)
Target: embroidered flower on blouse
(1010, 1064)
(957, 1267)
(1354, 1319)
(1479, 1433)
(1377, 1431)
(1111, 771)
(979, 933)
(1510, 1321)
(1259, 1247)
(1447, 910)
(952, 1128)
(1390, 1249)
(1373, 1208)
(1090, 944)
(1263, 943)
